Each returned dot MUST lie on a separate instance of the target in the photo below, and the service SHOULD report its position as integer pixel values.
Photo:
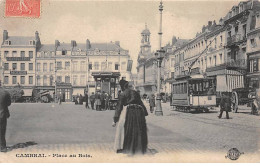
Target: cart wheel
(234, 102)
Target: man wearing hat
(5, 101)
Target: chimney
(36, 35)
(203, 28)
(73, 43)
(5, 35)
(117, 43)
(57, 43)
(209, 23)
(88, 44)
(174, 40)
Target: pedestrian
(98, 101)
(225, 105)
(60, 99)
(102, 99)
(5, 101)
(86, 99)
(80, 99)
(152, 103)
(131, 131)
(108, 97)
(92, 100)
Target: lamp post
(159, 54)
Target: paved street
(174, 137)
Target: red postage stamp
(23, 8)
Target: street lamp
(159, 55)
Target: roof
(82, 46)
(146, 31)
(180, 42)
(47, 47)
(20, 40)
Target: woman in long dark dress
(131, 133)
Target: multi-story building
(253, 51)
(73, 65)
(18, 59)
(66, 68)
(219, 51)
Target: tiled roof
(180, 42)
(82, 46)
(20, 40)
(47, 47)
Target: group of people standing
(100, 101)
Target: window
(67, 65)
(236, 29)
(82, 80)
(51, 67)
(22, 53)
(82, 66)
(253, 43)
(59, 79)
(38, 80)
(14, 80)
(123, 66)
(215, 61)
(45, 67)
(6, 66)
(229, 34)
(7, 42)
(109, 65)
(63, 52)
(14, 53)
(32, 42)
(59, 65)
(6, 80)
(103, 66)
(221, 39)
(31, 54)
(45, 80)
(38, 66)
(22, 66)
(220, 58)
(90, 66)
(22, 81)
(6, 53)
(30, 66)
(51, 80)
(67, 79)
(75, 66)
(14, 66)
(30, 79)
(75, 80)
(116, 66)
(96, 65)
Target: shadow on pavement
(21, 145)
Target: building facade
(253, 51)
(18, 61)
(65, 68)
(220, 50)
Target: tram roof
(105, 74)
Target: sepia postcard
(120, 81)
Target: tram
(108, 82)
(193, 94)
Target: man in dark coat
(225, 105)
(92, 100)
(5, 101)
(86, 99)
(152, 102)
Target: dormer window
(7, 42)
(63, 52)
(32, 42)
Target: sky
(105, 21)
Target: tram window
(185, 87)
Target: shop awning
(27, 92)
